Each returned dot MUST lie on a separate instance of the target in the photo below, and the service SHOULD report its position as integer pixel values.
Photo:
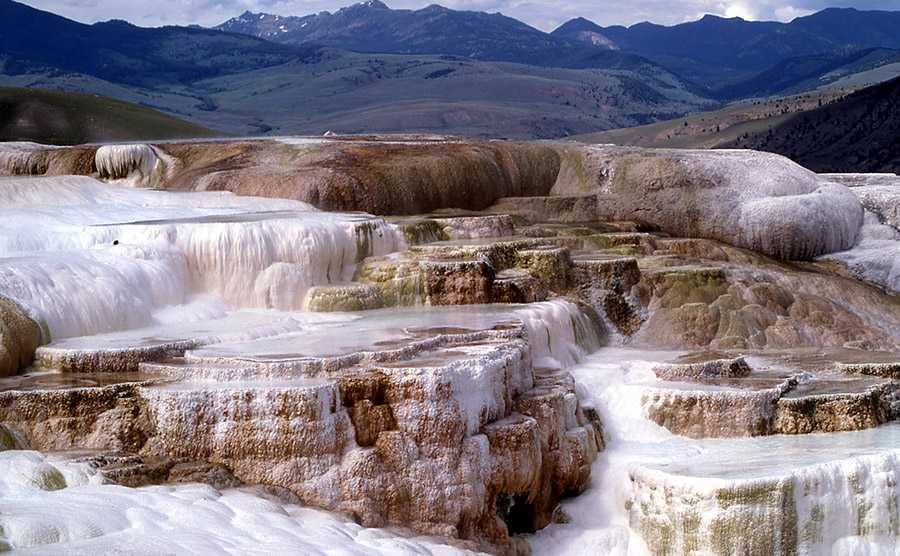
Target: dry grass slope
(67, 118)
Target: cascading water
(138, 165)
(657, 493)
(204, 293)
(559, 332)
(78, 252)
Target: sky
(543, 14)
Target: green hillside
(67, 118)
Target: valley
(480, 75)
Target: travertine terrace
(505, 347)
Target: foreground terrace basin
(437, 346)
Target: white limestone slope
(657, 493)
(755, 200)
(87, 257)
(137, 165)
(876, 257)
(760, 201)
(49, 506)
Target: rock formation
(20, 336)
(382, 176)
(455, 364)
(378, 434)
(759, 201)
(141, 164)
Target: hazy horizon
(545, 15)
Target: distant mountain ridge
(696, 49)
(584, 30)
(809, 72)
(367, 67)
(241, 84)
(372, 26)
(728, 58)
(32, 39)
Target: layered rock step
(380, 415)
(451, 225)
(752, 304)
(557, 260)
(52, 412)
(654, 290)
(808, 494)
(707, 398)
(124, 351)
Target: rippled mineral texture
(427, 367)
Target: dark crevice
(517, 512)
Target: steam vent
(423, 345)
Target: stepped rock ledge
(468, 342)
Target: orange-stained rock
(20, 336)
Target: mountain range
(120, 52)
(373, 27)
(368, 67)
(729, 56)
(728, 50)
(237, 83)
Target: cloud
(789, 13)
(740, 10)
(544, 14)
